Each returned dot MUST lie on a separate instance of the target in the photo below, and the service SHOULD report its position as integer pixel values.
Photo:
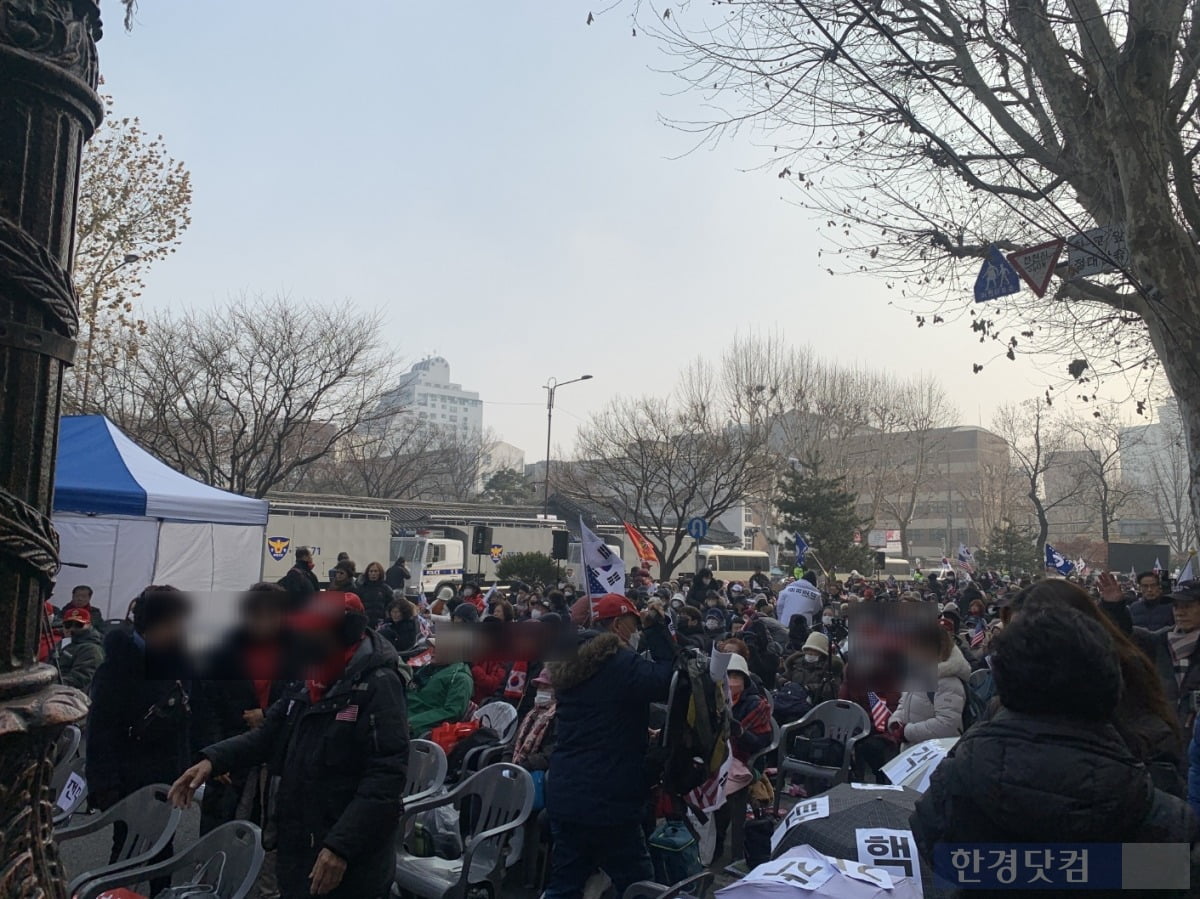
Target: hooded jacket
(79, 660)
(340, 764)
(926, 718)
(599, 771)
(1020, 778)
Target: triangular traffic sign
(1036, 264)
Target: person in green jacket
(79, 659)
(439, 693)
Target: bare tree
(928, 132)
(1034, 437)
(1106, 490)
(659, 462)
(907, 458)
(134, 205)
(245, 395)
(1156, 457)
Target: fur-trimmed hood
(588, 659)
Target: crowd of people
(300, 718)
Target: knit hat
(737, 663)
(465, 612)
(817, 643)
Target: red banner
(643, 547)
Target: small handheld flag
(1188, 573)
(802, 548)
(978, 637)
(879, 712)
(1056, 560)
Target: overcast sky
(495, 178)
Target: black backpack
(792, 703)
(483, 736)
(696, 735)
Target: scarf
(327, 673)
(1181, 644)
(533, 731)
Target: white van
(732, 564)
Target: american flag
(879, 712)
(977, 637)
(349, 713)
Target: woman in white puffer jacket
(920, 716)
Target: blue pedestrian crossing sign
(997, 278)
(697, 528)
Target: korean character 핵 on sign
(892, 852)
(965, 862)
(1075, 863)
(1037, 862)
(1004, 863)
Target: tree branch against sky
(923, 133)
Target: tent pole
(48, 76)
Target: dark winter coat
(376, 596)
(598, 770)
(1041, 779)
(401, 634)
(823, 679)
(140, 725)
(1179, 696)
(300, 583)
(79, 660)
(1153, 616)
(397, 575)
(341, 765)
(751, 722)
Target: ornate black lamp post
(48, 108)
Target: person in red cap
(338, 744)
(79, 659)
(597, 787)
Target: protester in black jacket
(300, 582)
(401, 629)
(597, 786)
(242, 678)
(1153, 611)
(376, 595)
(1049, 767)
(339, 746)
(140, 725)
(397, 576)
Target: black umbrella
(849, 809)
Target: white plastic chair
(499, 799)
(426, 770)
(227, 858)
(695, 887)
(64, 808)
(841, 720)
(500, 717)
(150, 821)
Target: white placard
(805, 810)
(890, 849)
(866, 873)
(806, 870)
(71, 792)
(876, 787)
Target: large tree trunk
(48, 107)
(1181, 368)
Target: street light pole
(550, 386)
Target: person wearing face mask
(535, 734)
(300, 582)
(597, 787)
(702, 583)
(814, 670)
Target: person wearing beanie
(814, 670)
(339, 741)
(596, 790)
(1049, 766)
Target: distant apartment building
(427, 394)
(1068, 489)
(953, 485)
(1154, 458)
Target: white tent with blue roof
(134, 521)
